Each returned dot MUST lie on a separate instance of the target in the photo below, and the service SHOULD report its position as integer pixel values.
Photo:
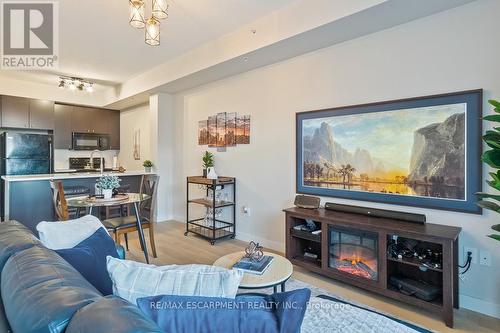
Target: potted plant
(208, 162)
(147, 165)
(107, 183)
(492, 158)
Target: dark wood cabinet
(20, 112)
(378, 234)
(99, 121)
(114, 129)
(41, 114)
(15, 112)
(90, 120)
(81, 119)
(62, 126)
(24, 113)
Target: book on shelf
(254, 267)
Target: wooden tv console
(444, 238)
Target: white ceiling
(202, 41)
(97, 43)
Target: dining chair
(59, 200)
(125, 224)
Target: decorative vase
(107, 193)
(205, 173)
(211, 173)
(147, 169)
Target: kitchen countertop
(72, 175)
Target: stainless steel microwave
(90, 141)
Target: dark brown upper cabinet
(114, 129)
(100, 121)
(41, 114)
(89, 120)
(62, 126)
(20, 112)
(15, 112)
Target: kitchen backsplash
(61, 157)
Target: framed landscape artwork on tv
(421, 151)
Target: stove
(83, 163)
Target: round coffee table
(278, 272)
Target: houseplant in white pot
(147, 165)
(107, 183)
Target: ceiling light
(153, 32)
(160, 8)
(89, 87)
(74, 83)
(137, 14)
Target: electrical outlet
(485, 258)
(246, 210)
(473, 250)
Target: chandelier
(138, 18)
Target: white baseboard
(273, 245)
(479, 305)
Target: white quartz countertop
(71, 175)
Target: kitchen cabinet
(41, 114)
(20, 112)
(27, 113)
(81, 119)
(100, 121)
(89, 120)
(62, 126)
(114, 129)
(15, 112)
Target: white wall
(61, 157)
(130, 120)
(447, 52)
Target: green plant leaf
(492, 158)
(482, 195)
(493, 144)
(491, 135)
(489, 205)
(492, 117)
(496, 227)
(495, 103)
(494, 184)
(496, 237)
(495, 176)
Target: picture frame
(422, 151)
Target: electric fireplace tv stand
(353, 248)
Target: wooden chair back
(59, 200)
(149, 186)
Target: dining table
(134, 199)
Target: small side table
(278, 272)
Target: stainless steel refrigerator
(24, 154)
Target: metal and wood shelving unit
(216, 228)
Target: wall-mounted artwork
(137, 144)
(203, 132)
(224, 130)
(420, 152)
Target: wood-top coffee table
(278, 272)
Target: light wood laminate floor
(174, 248)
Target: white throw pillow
(133, 280)
(66, 234)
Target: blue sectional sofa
(41, 292)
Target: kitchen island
(28, 198)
